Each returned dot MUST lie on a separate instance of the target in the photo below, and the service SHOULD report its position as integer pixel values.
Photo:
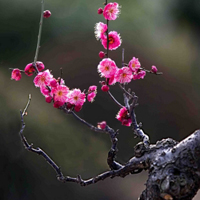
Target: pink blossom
(154, 69)
(76, 97)
(16, 74)
(114, 40)
(111, 11)
(123, 116)
(30, 69)
(92, 91)
(107, 68)
(139, 75)
(43, 79)
(53, 83)
(102, 125)
(99, 30)
(60, 93)
(45, 91)
(46, 14)
(124, 75)
(92, 88)
(91, 96)
(112, 80)
(134, 64)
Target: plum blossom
(100, 28)
(30, 69)
(45, 91)
(53, 83)
(134, 64)
(107, 68)
(124, 75)
(60, 93)
(92, 91)
(123, 116)
(111, 11)
(114, 40)
(16, 74)
(140, 74)
(76, 97)
(43, 78)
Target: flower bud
(48, 99)
(101, 54)
(105, 88)
(102, 125)
(100, 11)
(46, 14)
(154, 69)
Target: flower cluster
(110, 40)
(109, 70)
(107, 67)
(55, 89)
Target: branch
(128, 96)
(39, 33)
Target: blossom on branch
(92, 91)
(43, 78)
(123, 116)
(114, 41)
(99, 30)
(140, 74)
(107, 68)
(124, 75)
(134, 64)
(30, 69)
(60, 93)
(16, 74)
(111, 11)
(76, 97)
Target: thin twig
(27, 105)
(113, 98)
(84, 122)
(123, 57)
(39, 33)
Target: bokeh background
(158, 32)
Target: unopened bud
(48, 99)
(46, 14)
(102, 125)
(154, 69)
(105, 88)
(100, 11)
(101, 54)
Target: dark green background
(158, 32)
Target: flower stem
(40, 32)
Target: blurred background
(158, 32)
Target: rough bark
(174, 169)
